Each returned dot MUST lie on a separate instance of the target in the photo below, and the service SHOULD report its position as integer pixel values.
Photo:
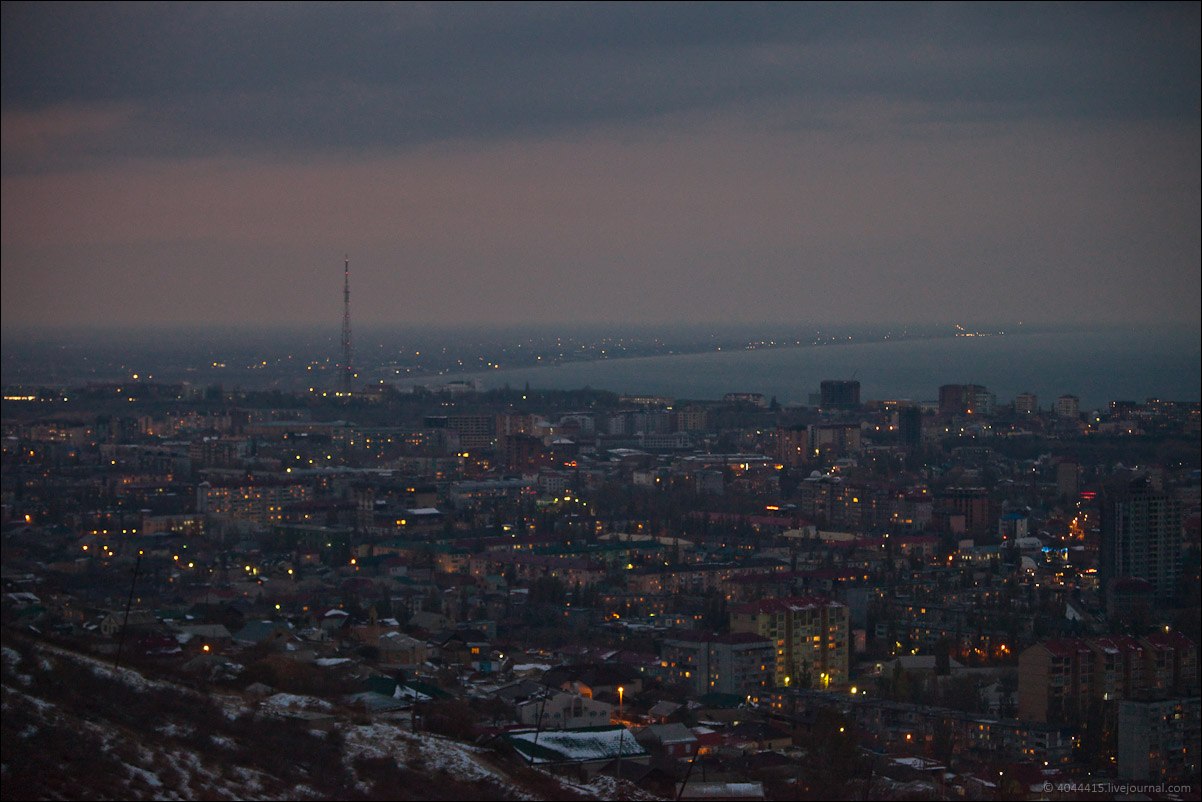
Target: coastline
(1098, 366)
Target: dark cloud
(796, 161)
(211, 78)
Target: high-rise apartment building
(840, 394)
(1068, 406)
(1068, 479)
(1026, 404)
(740, 663)
(810, 635)
(909, 426)
(1059, 680)
(1141, 536)
(835, 439)
(965, 399)
(1158, 741)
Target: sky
(504, 163)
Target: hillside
(75, 728)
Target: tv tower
(348, 370)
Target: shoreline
(1098, 369)
(539, 366)
(731, 365)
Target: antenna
(348, 370)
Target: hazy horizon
(1097, 363)
(367, 333)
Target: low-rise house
(428, 621)
(674, 741)
(399, 649)
(334, 620)
(263, 632)
(376, 704)
(207, 633)
(661, 712)
(520, 691)
(564, 711)
(750, 736)
(467, 647)
(113, 622)
(601, 679)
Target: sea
(1097, 366)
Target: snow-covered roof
(721, 790)
(574, 746)
(292, 702)
(405, 692)
(376, 702)
(669, 734)
(919, 763)
(326, 662)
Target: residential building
(1058, 680)
(835, 439)
(1026, 404)
(259, 502)
(1067, 406)
(810, 635)
(563, 710)
(965, 399)
(1141, 536)
(840, 394)
(740, 663)
(1158, 741)
(909, 426)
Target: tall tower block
(348, 370)
(1141, 536)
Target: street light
(621, 693)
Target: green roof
(577, 745)
(425, 688)
(380, 684)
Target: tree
(943, 746)
(547, 590)
(717, 614)
(834, 756)
(943, 658)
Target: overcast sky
(506, 163)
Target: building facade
(1141, 537)
(1158, 741)
(965, 399)
(1059, 680)
(840, 394)
(810, 635)
(740, 663)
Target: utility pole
(128, 603)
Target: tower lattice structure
(348, 370)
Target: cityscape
(565, 461)
(963, 588)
